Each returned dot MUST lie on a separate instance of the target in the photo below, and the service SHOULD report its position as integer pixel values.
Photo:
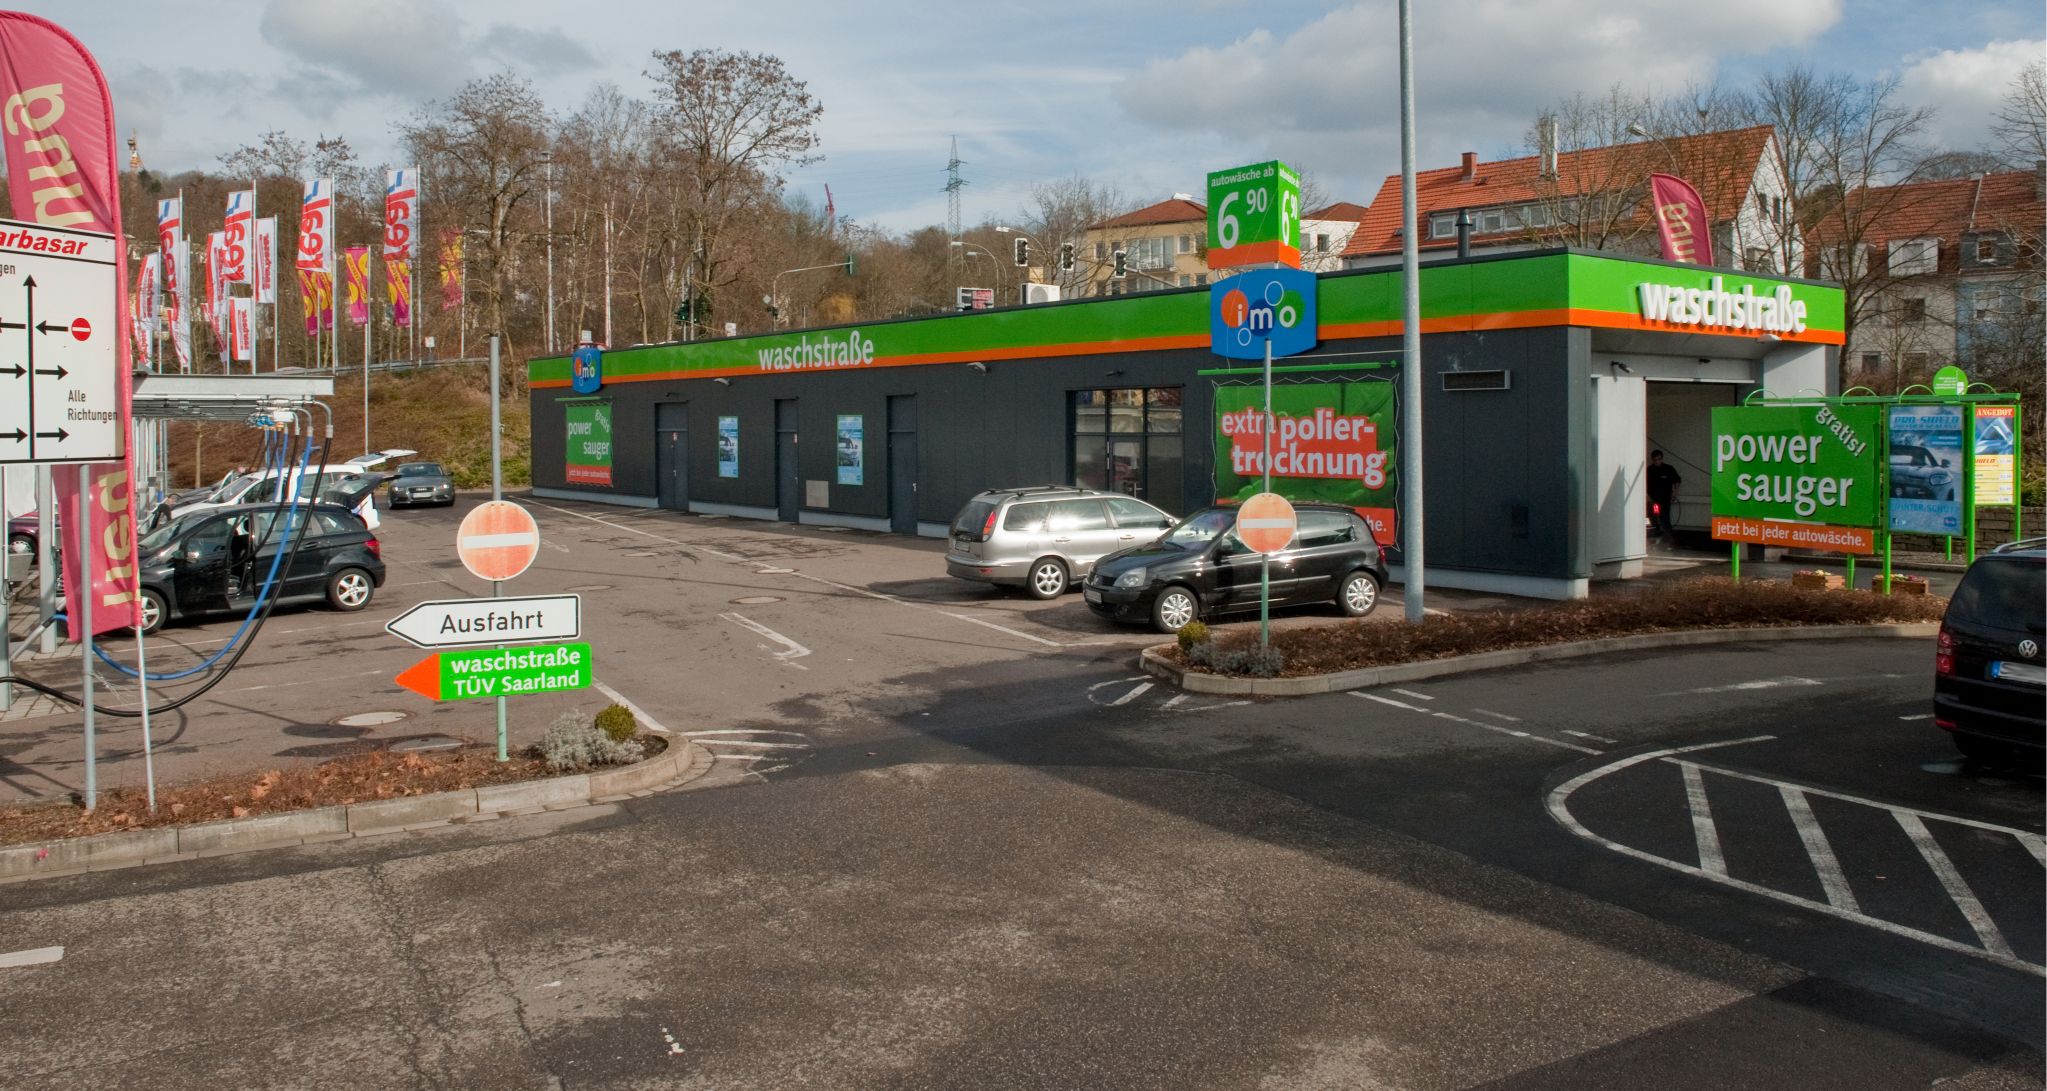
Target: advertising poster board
(1996, 455)
(1803, 475)
(1254, 215)
(728, 446)
(1332, 443)
(589, 448)
(851, 452)
(1926, 469)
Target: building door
(671, 425)
(788, 469)
(902, 463)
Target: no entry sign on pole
(1266, 523)
(497, 540)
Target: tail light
(988, 528)
(1944, 653)
(376, 548)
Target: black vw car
(1990, 667)
(1199, 569)
(215, 561)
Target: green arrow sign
(499, 672)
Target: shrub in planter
(1255, 660)
(1192, 633)
(618, 722)
(572, 744)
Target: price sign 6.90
(1254, 216)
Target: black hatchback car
(214, 561)
(1989, 682)
(1199, 569)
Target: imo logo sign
(586, 369)
(1250, 310)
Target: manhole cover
(371, 719)
(427, 742)
(591, 587)
(756, 600)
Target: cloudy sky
(1146, 94)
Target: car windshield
(420, 469)
(162, 536)
(1200, 528)
(2004, 592)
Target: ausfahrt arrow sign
(59, 366)
(499, 672)
(468, 623)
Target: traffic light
(1023, 252)
(1122, 270)
(849, 264)
(1066, 257)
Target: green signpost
(499, 672)
(1254, 216)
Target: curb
(684, 761)
(1153, 661)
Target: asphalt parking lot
(967, 837)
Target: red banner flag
(355, 264)
(1681, 219)
(398, 283)
(316, 225)
(323, 299)
(237, 237)
(451, 270)
(62, 171)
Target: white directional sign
(59, 368)
(464, 623)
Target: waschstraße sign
(1797, 464)
(1712, 306)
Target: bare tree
(1595, 200)
(483, 150)
(1942, 166)
(2020, 124)
(730, 123)
(1060, 213)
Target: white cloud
(1328, 93)
(402, 47)
(1965, 87)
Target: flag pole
(255, 286)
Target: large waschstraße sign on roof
(1545, 290)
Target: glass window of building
(1129, 440)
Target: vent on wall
(1478, 380)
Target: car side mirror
(1943, 462)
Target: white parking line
(1133, 695)
(1921, 716)
(1951, 880)
(1413, 694)
(1497, 715)
(1474, 723)
(1819, 850)
(34, 956)
(639, 713)
(1711, 859)
(1007, 629)
(1590, 735)
(1738, 687)
(796, 651)
(642, 533)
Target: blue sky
(1143, 94)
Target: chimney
(1546, 130)
(1470, 167)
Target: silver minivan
(1045, 538)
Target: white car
(262, 488)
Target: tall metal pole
(497, 492)
(369, 310)
(608, 342)
(550, 253)
(1410, 336)
(1265, 559)
(79, 601)
(46, 572)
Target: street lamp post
(970, 248)
(550, 252)
(774, 298)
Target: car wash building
(1548, 376)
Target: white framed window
(1986, 251)
(1443, 225)
(1321, 243)
(1492, 221)
(1912, 257)
(1186, 244)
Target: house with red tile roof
(1164, 245)
(1942, 272)
(1595, 198)
(1325, 234)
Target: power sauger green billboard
(589, 435)
(1331, 442)
(1798, 475)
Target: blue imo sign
(1249, 310)
(586, 369)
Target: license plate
(2025, 673)
(1090, 594)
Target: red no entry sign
(497, 540)
(1266, 522)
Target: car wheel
(1175, 607)
(154, 611)
(20, 543)
(1358, 595)
(1047, 579)
(350, 589)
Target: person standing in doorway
(1663, 483)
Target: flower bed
(1703, 603)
